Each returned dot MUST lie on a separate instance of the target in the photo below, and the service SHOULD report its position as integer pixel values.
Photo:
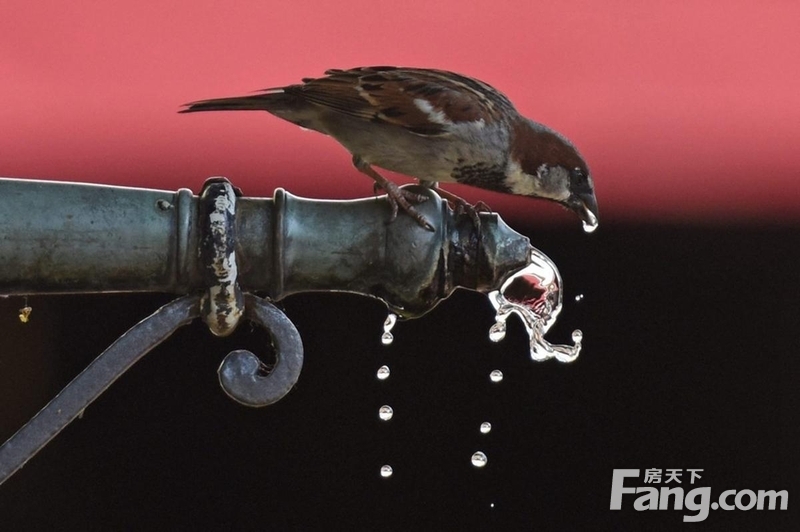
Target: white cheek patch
(519, 182)
(551, 185)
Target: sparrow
(433, 125)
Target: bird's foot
(462, 206)
(400, 198)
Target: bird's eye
(578, 175)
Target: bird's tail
(271, 100)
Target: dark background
(690, 361)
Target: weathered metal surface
(67, 237)
(223, 302)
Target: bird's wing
(425, 102)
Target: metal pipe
(78, 238)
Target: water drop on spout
(496, 375)
(486, 427)
(386, 471)
(577, 336)
(387, 337)
(479, 459)
(498, 331)
(383, 373)
(385, 412)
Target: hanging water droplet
(386, 471)
(590, 224)
(486, 427)
(383, 373)
(479, 459)
(385, 412)
(387, 337)
(496, 375)
(577, 336)
(498, 331)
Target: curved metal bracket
(244, 377)
(93, 381)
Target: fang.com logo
(678, 492)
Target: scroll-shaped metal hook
(242, 375)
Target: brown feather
(388, 94)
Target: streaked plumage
(434, 125)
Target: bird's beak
(585, 206)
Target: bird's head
(544, 164)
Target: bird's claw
(473, 211)
(400, 198)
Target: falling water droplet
(486, 427)
(498, 331)
(479, 459)
(387, 337)
(579, 297)
(386, 471)
(496, 375)
(385, 412)
(383, 373)
(491, 505)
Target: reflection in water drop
(479, 459)
(497, 331)
(387, 337)
(383, 373)
(385, 412)
(486, 427)
(534, 294)
(386, 471)
(496, 375)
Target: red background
(685, 110)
